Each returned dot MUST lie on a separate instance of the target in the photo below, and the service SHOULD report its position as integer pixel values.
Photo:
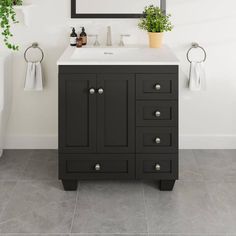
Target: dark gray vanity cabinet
(77, 114)
(115, 113)
(118, 122)
(97, 113)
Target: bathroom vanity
(118, 115)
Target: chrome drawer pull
(158, 140)
(100, 91)
(157, 167)
(157, 113)
(97, 167)
(157, 87)
(92, 91)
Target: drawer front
(95, 168)
(157, 86)
(157, 167)
(156, 113)
(156, 140)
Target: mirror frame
(74, 14)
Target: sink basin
(107, 54)
(136, 55)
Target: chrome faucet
(121, 43)
(109, 39)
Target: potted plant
(8, 17)
(155, 22)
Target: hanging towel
(197, 77)
(34, 79)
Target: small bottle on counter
(83, 35)
(73, 37)
(79, 42)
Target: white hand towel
(197, 77)
(34, 79)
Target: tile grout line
(76, 201)
(145, 208)
(26, 164)
(199, 166)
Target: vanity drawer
(156, 113)
(157, 86)
(99, 168)
(156, 140)
(160, 166)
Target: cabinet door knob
(97, 167)
(92, 91)
(100, 91)
(157, 113)
(158, 140)
(157, 87)
(157, 167)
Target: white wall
(207, 119)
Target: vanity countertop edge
(165, 56)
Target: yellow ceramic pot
(155, 39)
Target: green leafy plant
(7, 18)
(17, 2)
(155, 20)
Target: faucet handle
(121, 43)
(96, 43)
(109, 37)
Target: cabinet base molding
(70, 185)
(166, 185)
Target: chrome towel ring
(196, 45)
(35, 46)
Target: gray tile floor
(32, 201)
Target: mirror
(111, 8)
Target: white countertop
(129, 55)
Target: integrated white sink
(106, 54)
(136, 55)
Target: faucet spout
(109, 38)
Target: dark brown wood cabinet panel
(156, 113)
(161, 166)
(77, 113)
(156, 140)
(116, 113)
(157, 86)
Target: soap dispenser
(83, 35)
(73, 37)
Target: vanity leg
(167, 185)
(70, 185)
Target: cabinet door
(77, 113)
(116, 113)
